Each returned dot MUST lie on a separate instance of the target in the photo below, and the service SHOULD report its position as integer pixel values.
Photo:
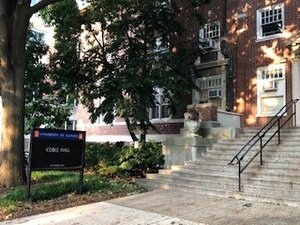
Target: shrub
(147, 158)
(116, 160)
(102, 158)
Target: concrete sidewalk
(169, 208)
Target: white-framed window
(164, 4)
(270, 21)
(160, 48)
(161, 109)
(271, 89)
(100, 118)
(210, 88)
(209, 36)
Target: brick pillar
(208, 111)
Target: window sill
(166, 120)
(267, 115)
(211, 50)
(260, 39)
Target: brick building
(249, 64)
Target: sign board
(53, 149)
(57, 149)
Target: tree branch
(40, 5)
(97, 40)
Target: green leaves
(43, 102)
(64, 68)
(113, 160)
(121, 61)
(147, 158)
(119, 64)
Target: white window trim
(212, 87)
(259, 70)
(259, 36)
(100, 119)
(201, 36)
(160, 118)
(159, 47)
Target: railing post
(295, 107)
(240, 185)
(261, 149)
(279, 130)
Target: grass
(54, 184)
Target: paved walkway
(169, 208)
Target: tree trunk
(12, 160)
(131, 132)
(14, 24)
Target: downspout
(229, 68)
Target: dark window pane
(155, 112)
(165, 111)
(272, 28)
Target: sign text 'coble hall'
(53, 149)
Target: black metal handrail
(258, 137)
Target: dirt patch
(3, 191)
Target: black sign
(57, 149)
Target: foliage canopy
(131, 51)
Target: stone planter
(193, 125)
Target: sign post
(53, 149)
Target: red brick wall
(241, 47)
(208, 112)
(247, 53)
(162, 128)
(84, 123)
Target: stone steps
(240, 144)
(267, 157)
(284, 152)
(254, 166)
(276, 181)
(229, 183)
(266, 196)
(284, 176)
(193, 181)
(152, 184)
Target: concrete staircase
(277, 181)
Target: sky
(81, 3)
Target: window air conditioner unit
(215, 93)
(208, 44)
(270, 86)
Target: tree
(57, 86)
(131, 50)
(14, 22)
(65, 67)
(43, 98)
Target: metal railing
(276, 121)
